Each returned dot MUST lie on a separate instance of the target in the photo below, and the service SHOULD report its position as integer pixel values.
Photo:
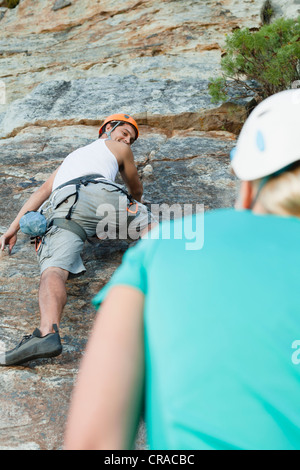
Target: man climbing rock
(75, 199)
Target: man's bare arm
(127, 168)
(131, 179)
(130, 175)
(105, 408)
(33, 203)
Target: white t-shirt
(95, 158)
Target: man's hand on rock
(9, 238)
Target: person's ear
(108, 127)
(246, 194)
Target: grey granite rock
(59, 4)
(88, 101)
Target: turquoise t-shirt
(222, 328)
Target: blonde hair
(281, 193)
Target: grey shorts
(100, 209)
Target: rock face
(65, 66)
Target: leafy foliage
(264, 62)
(11, 3)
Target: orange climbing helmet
(120, 118)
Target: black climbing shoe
(33, 347)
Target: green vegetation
(11, 3)
(266, 12)
(263, 62)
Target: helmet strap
(266, 179)
(262, 184)
(109, 132)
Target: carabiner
(136, 209)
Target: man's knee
(55, 274)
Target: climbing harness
(67, 223)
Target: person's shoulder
(119, 149)
(118, 146)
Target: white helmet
(270, 138)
